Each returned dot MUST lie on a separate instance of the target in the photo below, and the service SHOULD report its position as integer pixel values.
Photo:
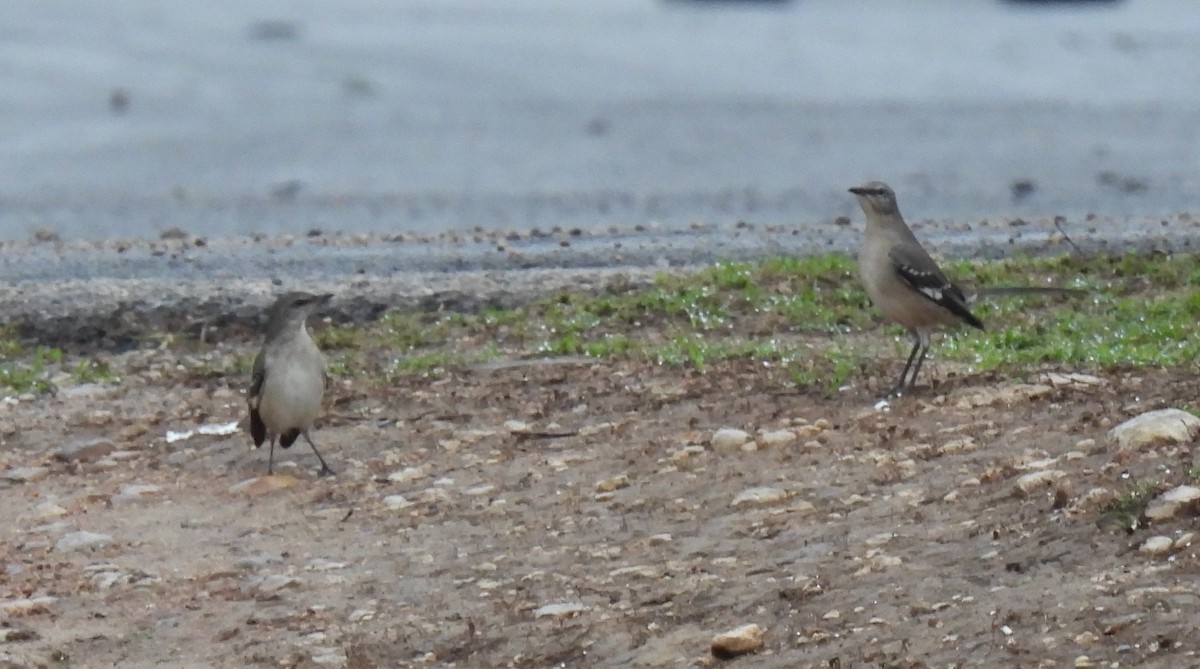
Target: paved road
(433, 115)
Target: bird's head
(292, 309)
(876, 197)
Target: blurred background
(125, 119)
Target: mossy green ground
(811, 316)
(808, 315)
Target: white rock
(739, 641)
(516, 426)
(776, 438)
(1163, 425)
(480, 490)
(132, 492)
(80, 540)
(644, 571)
(396, 502)
(407, 474)
(1156, 545)
(560, 610)
(26, 474)
(1184, 494)
(1169, 503)
(1036, 480)
(729, 440)
(19, 607)
(49, 510)
(615, 483)
(321, 564)
(760, 496)
(277, 582)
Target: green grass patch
(808, 315)
(1127, 510)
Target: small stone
(729, 440)
(80, 540)
(261, 485)
(135, 493)
(644, 571)
(832, 615)
(560, 610)
(740, 641)
(396, 502)
(26, 474)
(1157, 545)
(1083, 662)
(21, 607)
(516, 426)
(406, 475)
(1037, 480)
(759, 496)
(277, 582)
(1184, 540)
(686, 453)
(12, 635)
(776, 438)
(615, 483)
(1171, 502)
(89, 450)
(49, 510)
(1120, 623)
(321, 564)
(480, 490)
(256, 562)
(1164, 425)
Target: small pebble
(739, 641)
(80, 540)
(729, 440)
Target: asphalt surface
(226, 118)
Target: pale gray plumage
(289, 377)
(902, 280)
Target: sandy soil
(579, 513)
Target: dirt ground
(576, 513)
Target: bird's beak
(858, 190)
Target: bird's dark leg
(271, 458)
(923, 341)
(325, 468)
(901, 386)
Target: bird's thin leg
(325, 468)
(900, 385)
(924, 349)
(271, 458)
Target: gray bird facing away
(289, 377)
(902, 280)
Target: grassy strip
(808, 315)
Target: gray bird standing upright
(289, 377)
(902, 280)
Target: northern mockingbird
(902, 280)
(289, 378)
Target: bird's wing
(914, 266)
(258, 429)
